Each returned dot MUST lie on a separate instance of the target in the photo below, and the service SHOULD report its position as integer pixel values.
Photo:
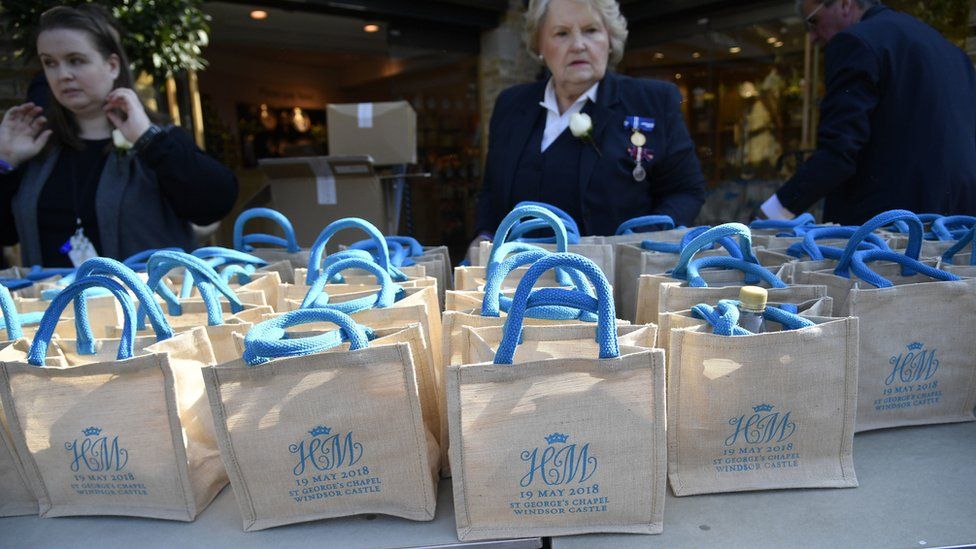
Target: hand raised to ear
(125, 112)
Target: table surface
(220, 525)
(917, 490)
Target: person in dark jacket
(91, 173)
(631, 157)
(898, 120)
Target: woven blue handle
(11, 318)
(137, 262)
(708, 238)
(927, 219)
(15, 283)
(268, 339)
(38, 349)
(242, 272)
(943, 226)
(522, 228)
(318, 248)
(606, 329)
(502, 235)
(815, 251)
(860, 268)
(215, 256)
(243, 243)
(754, 273)
(804, 218)
(384, 298)
(724, 318)
(567, 219)
(915, 230)
(562, 304)
(676, 247)
(105, 266)
(649, 223)
(960, 245)
(38, 273)
(206, 279)
(413, 246)
(493, 302)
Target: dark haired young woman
(61, 175)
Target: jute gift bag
(128, 436)
(761, 411)
(963, 264)
(550, 440)
(16, 497)
(709, 279)
(310, 430)
(917, 362)
(490, 307)
(820, 248)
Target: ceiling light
(735, 49)
(658, 55)
(371, 27)
(259, 14)
(771, 40)
(778, 44)
(695, 55)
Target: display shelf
(917, 489)
(220, 526)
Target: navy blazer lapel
(601, 113)
(523, 122)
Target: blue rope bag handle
(242, 272)
(15, 283)
(567, 219)
(606, 329)
(493, 302)
(348, 253)
(804, 218)
(318, 248)
(42, 339)
(137, 262)
(502, 235)
(952, 227)
(400, 251)
(37, 273)
(383, 299)
(105, 266)
(522, 228)
(648, 223)
(708, 238)
(268, 340)
(927, 219)
(961, 245)
(724, 318)
(205, 278)
(860, 268)
(216, 256)
(244, 242)
(817, 252)
(675, 248)
(915, 230)
(12, 320)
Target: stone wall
(504, 62)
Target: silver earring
(541, 59)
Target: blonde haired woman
(633, 158)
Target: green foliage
(161, 37)
(950, 17)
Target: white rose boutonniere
(581, 126)
(122, 145)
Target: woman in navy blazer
(596, 179)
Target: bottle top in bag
(752, 301)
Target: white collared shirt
(557, 123)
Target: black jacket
(674, 185)
(897, 124)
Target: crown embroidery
(762, 408)
(556, 437)
(915, 346)
(320, 430)
(91, 431)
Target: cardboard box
(385, 131)
(315, 191)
